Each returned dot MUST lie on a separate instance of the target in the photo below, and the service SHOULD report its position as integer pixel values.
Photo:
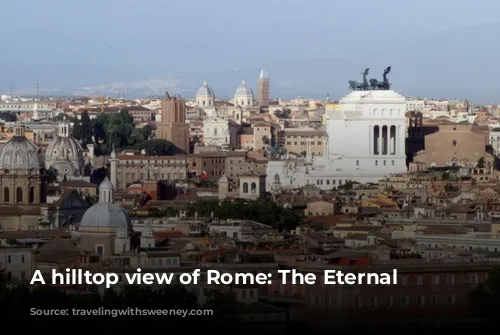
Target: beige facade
(22, 187)
(140, 114)
(232, 164)
(19, 217)
(320, 208)
(455, 144)
(239, 163)
(142, 168)
(303, 140)
(28, 106)
(252, 186)
(245, 138)
(211, 164)
(262, 134)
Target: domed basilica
(243, 96)
(22, 181)
(64, 154)
(22, 169)
(105, 228)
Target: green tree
(86, 125)
(99, 130)
(114, 129)
(147, 131)
(8, 116)
(485, 298)
(283, 113)
(347, 186)
(480, 163)
(157, 147)
(263, 210)
(119, 129)
(82, 128)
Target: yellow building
(379, 201)
(331, 107)
(305, 140)
(5, 136)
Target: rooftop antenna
(11, 90)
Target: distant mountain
(459, 63)
(143, 88)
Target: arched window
(254, 188)
(19, 195)
(31, 195)
(245, 187)
(6, 195)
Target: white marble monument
(366, 142)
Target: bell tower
(263, 88)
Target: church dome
(205, 97)
(106, 214)
(243, 96)
(20, 153)
(243, 90)
(205, 91)
(64, 153)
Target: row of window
(319, 182)
(153, 161)
(253, 188)
(18, 195)
(9, 259)
(436, 280)
(167, 261)
(161, 176)
(389, 301)
(376, 162)
(301, 136)
(304, 143)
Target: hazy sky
(437, 48)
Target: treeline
(117, 130)
(263, 211)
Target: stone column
(390, 140)
(394, 140)
(380, 140)
(370, 140)
(113, 172)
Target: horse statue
(374, 84)
(276, 152)
(385, 82)
(364, 85)
(353, 85)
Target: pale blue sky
(436, 47)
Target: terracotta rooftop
(76, 184)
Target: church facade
(366, 142)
